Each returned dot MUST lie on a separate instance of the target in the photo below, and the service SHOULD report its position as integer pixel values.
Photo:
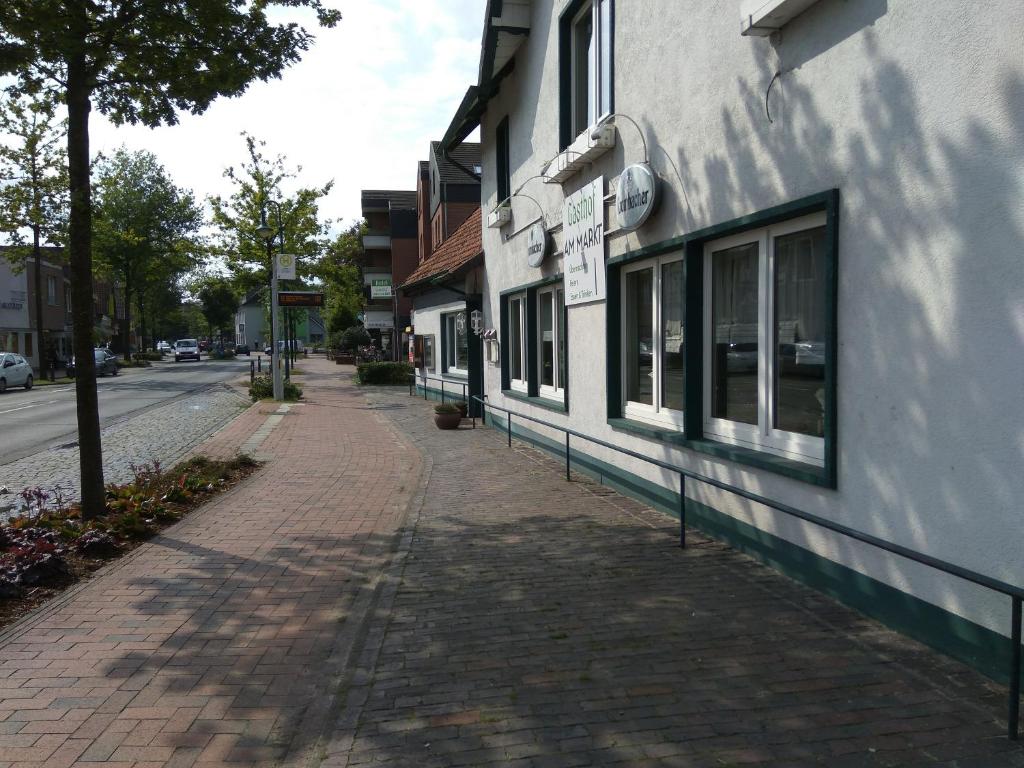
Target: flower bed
(48, 547)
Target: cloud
(360, 108)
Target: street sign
(380, 288)
(583, 247)
(299, 299)
(286, 266)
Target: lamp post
(266, 232)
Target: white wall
(915, 112)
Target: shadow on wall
(924, 312)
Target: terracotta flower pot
(447, 420)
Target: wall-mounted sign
(286, 266)
(636, 194)
(583, 250)
(380, 288)
(378, 319)
(299, 299)
(536, 244)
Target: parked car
(163, 346)
(15, 372)
(186, 349)
(106, 362)
(242, 349)
(204, 346)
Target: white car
(14, 372)
(186, 349)
(163, 346)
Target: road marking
(24, 407)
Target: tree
(33, 188)
(137, 61)
(237, 217)
(145, 229)
(338, 270)
(219, 303)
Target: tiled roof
(465, 244)
(466, 154)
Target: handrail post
(567, 466)
(424, 387)
(682, 511)
(252, 371)
(1013, 727)
(442, 391)
(412, 380)
(508, 424)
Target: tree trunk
(37, 254)
(80, 252)
(142, 324)
(126, 330)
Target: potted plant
(463, 408)
(447, 416)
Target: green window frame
(523, 372)
(814, 458)
(586, 61)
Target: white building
(825, 305)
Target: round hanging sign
(536, 244)
(636, 194)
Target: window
(517, 365)
(51, 290)
(766, 330)
(67, 299)
(503, 170)
(586, 47)
(652, 340)
(456, 343)
(551, 341)
(428, 352)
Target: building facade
(18, 328)
(390, 254)
(780, 249)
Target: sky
(360, 108)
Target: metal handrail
(413, 383)
(1015, 593)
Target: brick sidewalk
(386, 593)
(219, 641)
(535, 622)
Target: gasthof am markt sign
(583, 248)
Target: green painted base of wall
(980, 647)
(450, 395)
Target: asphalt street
(44, 417)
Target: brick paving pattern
(208, 645)
(165, 433)
(385, 593)
(542, 623)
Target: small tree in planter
(447, 416)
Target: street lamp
(266, 233)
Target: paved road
(45, 417)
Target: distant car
(242, 349)
(186, 349)
(15, 372)
(204, 345)
(106, 362)
(163, 346)
(267, 350)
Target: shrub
(262, 387)
(446, 408)
(149, 355)
(383, 373)
(354, 337)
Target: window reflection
(515, 352)
(547, 339)
(640, 337)
(799, 324)
(734, 363)
(672, 335)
